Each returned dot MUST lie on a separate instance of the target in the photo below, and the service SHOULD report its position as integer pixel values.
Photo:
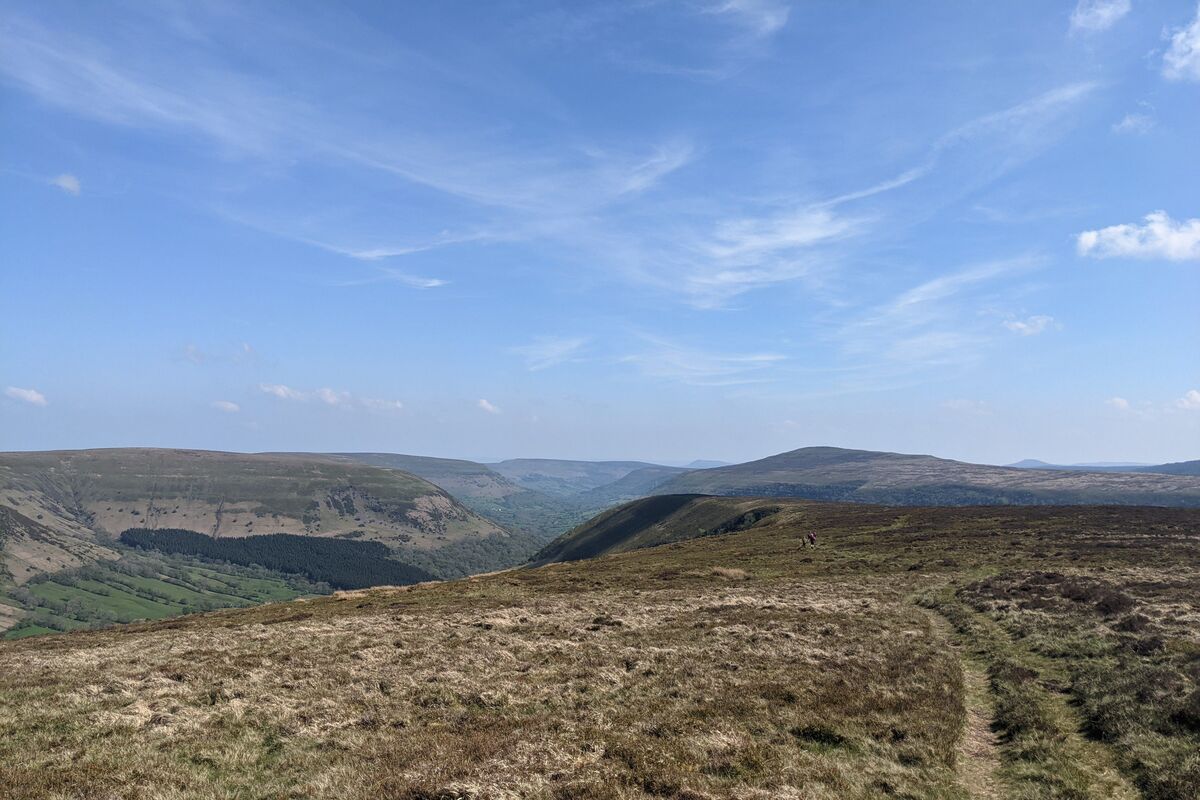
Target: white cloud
(331, 397)
(696, 367)
(31, 396)
(549, 351)
(334, 398)
(1190, 400)
(281, 391)
(1030, 326)
(1091, 16)
(1119, 403)
(486, 406)
(1160, 238)
(227, 406)
(1134, 123)
(68, 183)
(377, 404)
(1181, 62)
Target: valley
(67, 511)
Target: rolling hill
(1176, 468)
(947, 653)
(487, 492)
(831, 473)
(63, 511)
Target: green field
(144, 588)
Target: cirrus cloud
(228, 406)
(486, 406)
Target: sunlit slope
(830, 473)
(225, 494)
(741, 665)
(644, 523)
(50, 541)
(486, 492)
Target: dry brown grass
(730, 573)
(646, 674)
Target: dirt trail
(979, 749)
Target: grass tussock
(730, 573)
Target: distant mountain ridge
(1176, 468)
(832, 473)
(566, 478)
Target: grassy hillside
(830, 473)
(565, 479)
(488, 493)
(234, 494)
(63, 511)
(923, 653)
(80, 494)
(138, 587)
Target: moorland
(702, 651)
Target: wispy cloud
(242, 353)
(31, 396)
(68, 183)
(1181, 62)
(976, 408)
(1134, 123)
(377, 404)
(1190, 400)
(938, 321)
(549, 351)
(1159, 238)
(1030, 326)
(1092, 16)
(698, 367)
(1119, 403)
(334, 398)
(282, 391)
(228, 406)
(331, 397)
(745, 253)
(759, 17)
(393, 275)
(484, 405)
(242, 115)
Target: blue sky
(658, 230)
